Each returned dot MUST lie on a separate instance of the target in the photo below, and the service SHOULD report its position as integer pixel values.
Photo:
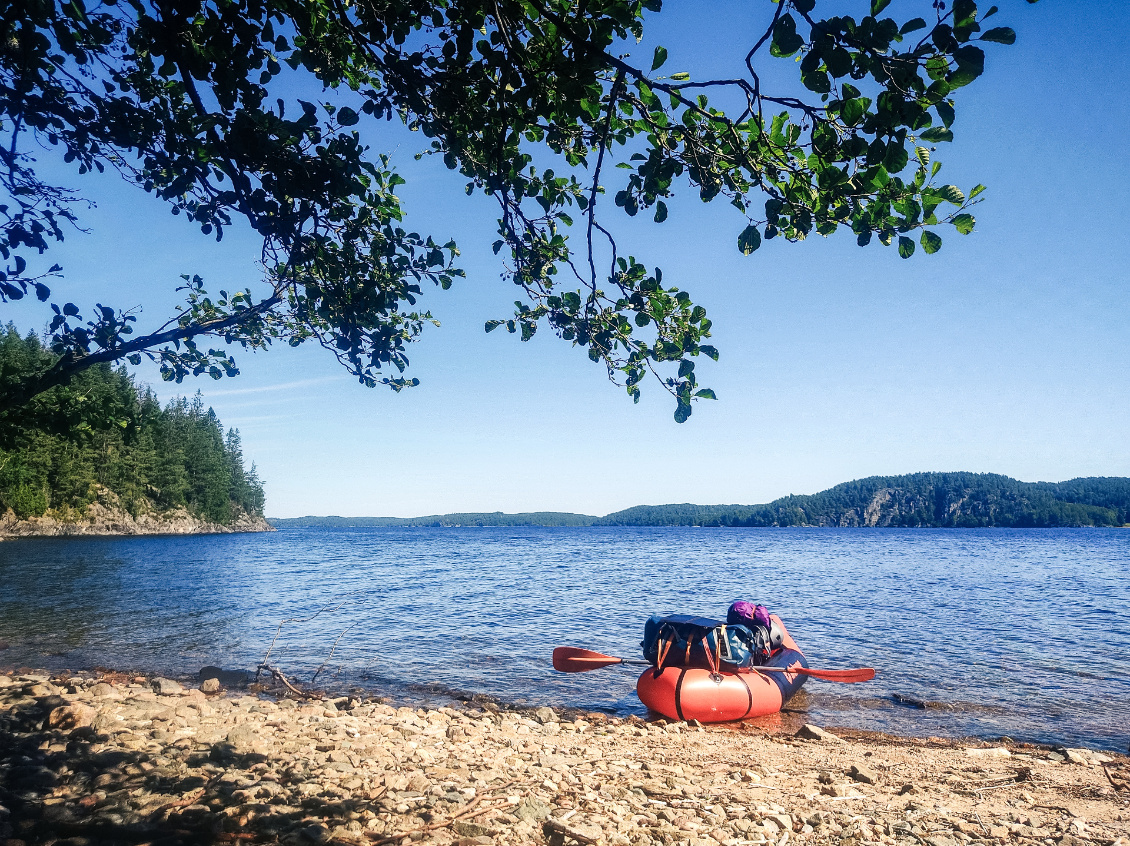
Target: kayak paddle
(572, 659)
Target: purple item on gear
(744, 613)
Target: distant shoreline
(296, 523)
(918, 500)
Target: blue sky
(1005, 352)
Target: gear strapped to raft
(682, 640)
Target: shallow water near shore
(1024, 633)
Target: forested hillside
(102, 438)
(922, 500)
(940, 500)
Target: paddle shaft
(569, 659)
(604, 663)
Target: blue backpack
(682, 640)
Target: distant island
(917, 500)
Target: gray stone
(242, 736)
(467, 828)
(316, 833)
(1072, 840)
(75, 715)
(1077, 756)
(581, 832)
(990, 752)
(863, 775)
(545, 715)
(811, 732)
(211, 685)
(166, 687)
(532, 809)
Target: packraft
(717, 695)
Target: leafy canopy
(533, 101)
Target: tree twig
(469, 811)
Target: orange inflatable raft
(691, 693)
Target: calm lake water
(1024, 633)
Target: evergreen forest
(916, 500)
(102, 437)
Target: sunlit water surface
(1022, 633)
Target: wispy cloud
(263, 389)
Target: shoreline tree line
(918, 500)
(104, 438)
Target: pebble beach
(107, 758)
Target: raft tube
(690, 693)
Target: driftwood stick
(191, 799)
(469, 811)
(286, 682)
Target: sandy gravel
(133, 760)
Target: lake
(1024, 633)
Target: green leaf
(681, 76)
(952, 194)
(749, 240)
(970, 65)
(659, 58)
(1000, 35)
(785, 38)
(706, 393)
(682, 412)
(912, 25)
(895, 158)
(906, 247)
(931, 242)
(923, 156)
(851, 111)
(937, 133)
(977, 189)
(660, 212)
(346, 116)
(945, 112)
(963, 223)
(878, 5)
(776, 130)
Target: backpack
(768, 636)
(682, 640)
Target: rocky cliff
(102, 519)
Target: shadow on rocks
(69, 787)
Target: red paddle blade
(572, 659)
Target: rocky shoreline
(101, 758)
(100, 520)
